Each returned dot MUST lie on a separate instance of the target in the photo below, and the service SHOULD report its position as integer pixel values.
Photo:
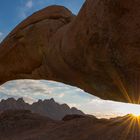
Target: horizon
(43, 100)
(33, 90)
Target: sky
(12, 12)
(33, 90)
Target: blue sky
(12, 12)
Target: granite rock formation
(98, 50)
(48, 108)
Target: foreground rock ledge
(98, 50)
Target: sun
(136, 114)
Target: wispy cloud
(61, 95)
(29, 4)
(25, 8)
(1, 36)
(74, 105)
(28, 89)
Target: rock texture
(24, 125)
(98, 50)
(48, 108)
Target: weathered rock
(98, 51)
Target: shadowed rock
(24, 125)
(98, 50)
(71, 117)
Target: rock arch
(98, 50)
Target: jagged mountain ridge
(48, 108)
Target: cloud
(25, 8)
(61, 95)
(36, 89)
(1, 36)
(32, 90)
(29, 4)
(28, 89)
(74, 105)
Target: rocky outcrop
(22, 124)
(98, 50)
(13, 122)
(48, 108)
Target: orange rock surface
(98, 50)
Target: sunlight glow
(136, 114)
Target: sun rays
(131, 126)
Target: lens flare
(136, 114)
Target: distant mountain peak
(10, 99)
(48, 107)
(52, 100)
(21, 100)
